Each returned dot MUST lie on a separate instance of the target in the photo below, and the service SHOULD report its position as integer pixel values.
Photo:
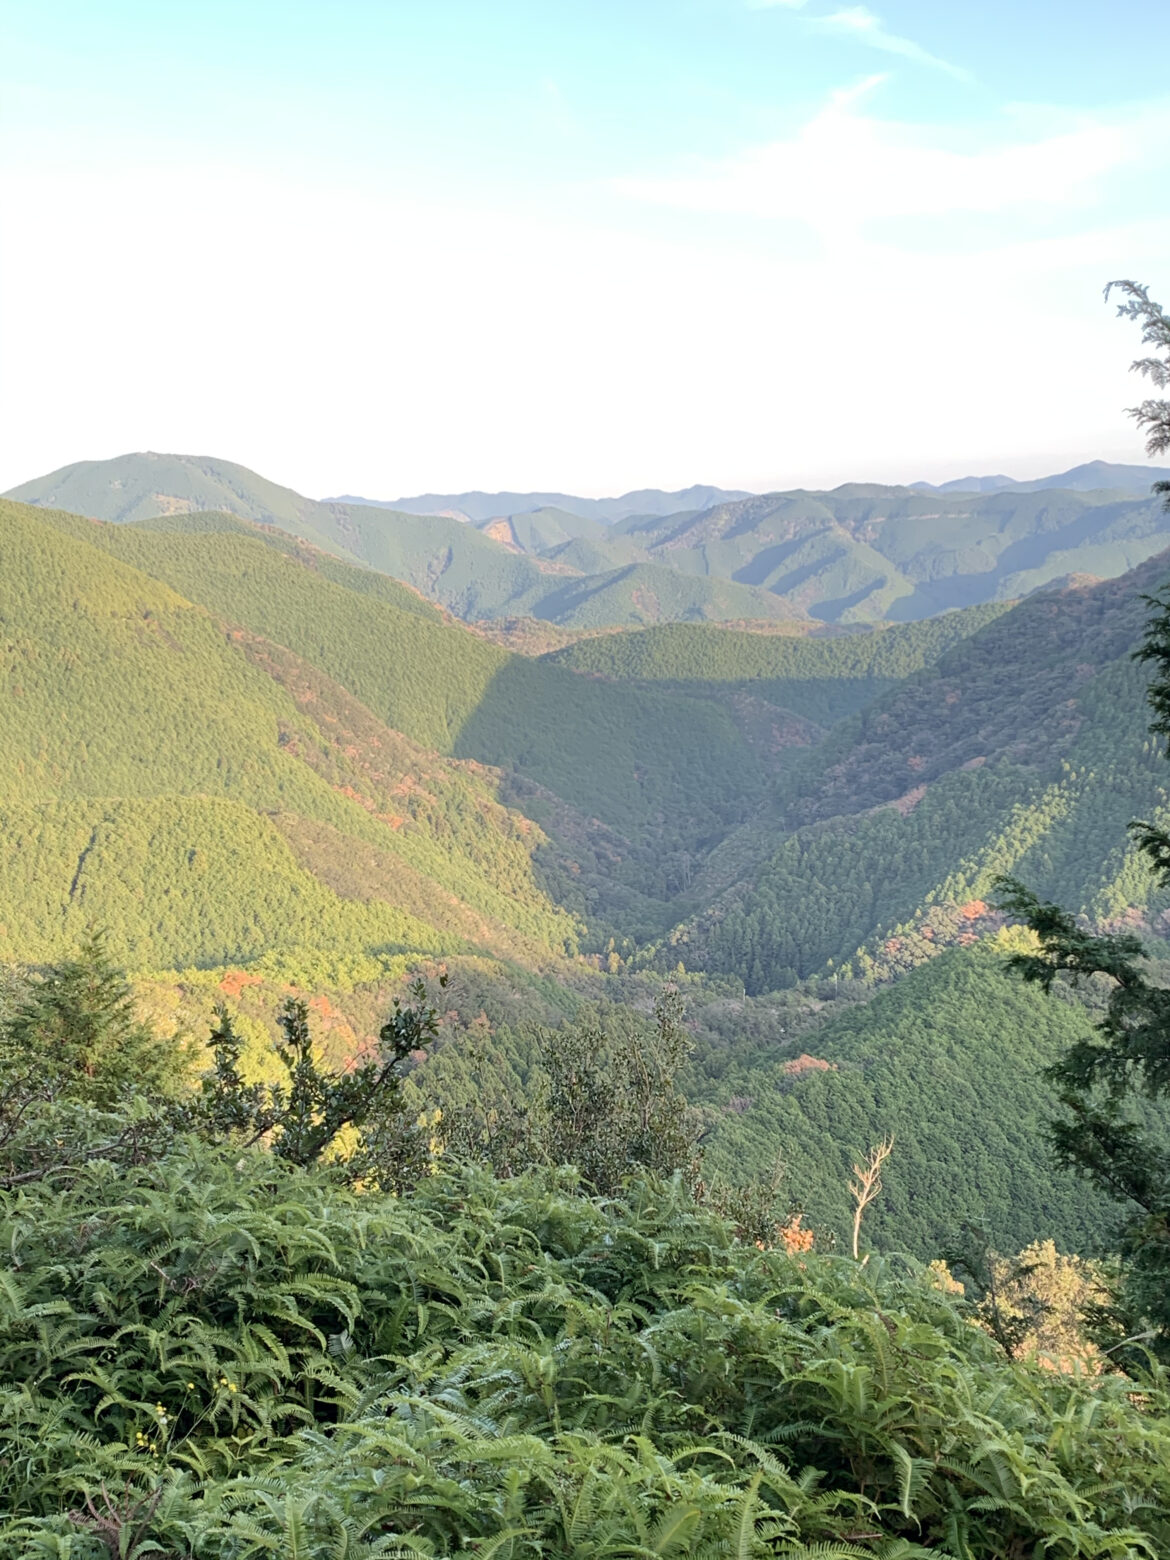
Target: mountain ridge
(477, 506)
(858, 554)
(452, 563)
(1090, 476)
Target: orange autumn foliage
(234, 982)
(795, 1237)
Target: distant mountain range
(1094, 476)
(867, 553)
(488, 506)
(477, 506)
(468, 572)
(860, 554)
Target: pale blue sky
(385, 247)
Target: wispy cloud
(846, 166)
(859, 23)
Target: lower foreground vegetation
(242, 1319)
(216, 1354)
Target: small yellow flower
(232, 1387)
(190, 1386)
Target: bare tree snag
(868, 1184)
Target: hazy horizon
(1027, 471)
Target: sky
(383, 247)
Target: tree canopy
(1152, 415)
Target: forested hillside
(821, 679)
(239, 752)
(456, 565)
(623, 779)
(798, 800)
(1022, 749)
(947, 1060)
(861, 553)
(159, 778)
(641, 761)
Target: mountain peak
(1094, 476)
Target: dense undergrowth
(217, 1355)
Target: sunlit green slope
(210, 799)
(1024, 749)
(681, 775)
(639, 759)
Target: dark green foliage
(599, 1091)
(219, 1351)
(611, 1104)
(302, 1118)
(948, 1060)
(227, 1357)
(1020, 749)
(821, 679)
(988, 1279)
(1098, 1077)
(75, 1025)
(1128, 1057)
(829, 890)
(80, 1076)
(1152, 416)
